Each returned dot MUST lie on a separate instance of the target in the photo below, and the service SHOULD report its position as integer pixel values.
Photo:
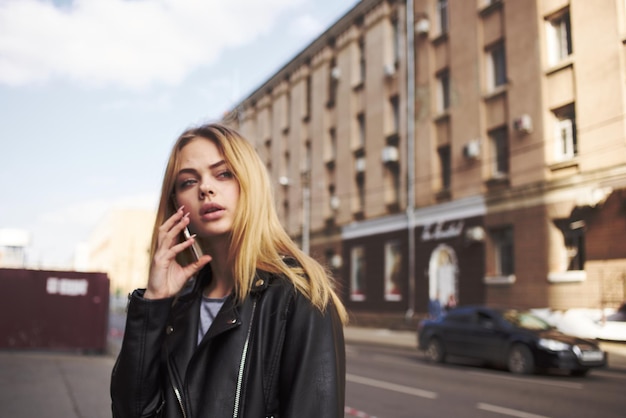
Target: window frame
(443, 91)
(496, 68)
(499, 152)
(504, 250)
(565, 137)
(559, 37)
(445, 164)
(443, 19)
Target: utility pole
(410, 156)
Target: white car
(608, 324)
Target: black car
(518, 340)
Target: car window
(525, 320)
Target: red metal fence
(59, 310)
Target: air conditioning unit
(472, 149)
(523, 124)
(359, 165)
(390, 154)
(389, 70)
(335, 73)
(422, 26)
(336, 261)
(475, 233)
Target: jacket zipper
(242, 365)
(179, 397)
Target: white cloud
(122, 42)
(158, 103)
(306, 27)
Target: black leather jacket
(274, 355)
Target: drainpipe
(410, 145)
(306, 212)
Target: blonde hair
(258, 240)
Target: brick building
(483, 156)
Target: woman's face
(207, 188)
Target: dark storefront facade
(448, 260)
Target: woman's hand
(167, 277)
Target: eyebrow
(193, 170)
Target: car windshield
(525, 320)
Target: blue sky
(94, 92)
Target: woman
(250, 328)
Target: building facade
(477, 157)
(14, 244)
(119, 245)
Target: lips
(210, 209)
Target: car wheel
(521, 360)
(435, 351)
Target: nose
(206, 190)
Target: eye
(226, 174)
(186, 183)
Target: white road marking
(507, 411)
(391, 386)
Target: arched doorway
(443, 276)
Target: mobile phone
(195, 247)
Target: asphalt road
(387, 378)
(388, 382)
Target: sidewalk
(52, 384)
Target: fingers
(193, 268)
(172, 227)
(172, 220)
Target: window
(442, 16)
(362, 64)
(361, 132)
(487, 3)
(503, 251)
(395, 114)
(360, 185)
(286, 218)
(446, 169)
(496, 67)
(443, 91)
(573, 258)
(332, 144)
(286, 165)
(565, 142)
(499, 142)
(307, 156)
(393, 267)
(357, 274)
(333, 81)
(268, 154)
(333, 199)
(308, 98)
(559, 37)
(397, 36)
